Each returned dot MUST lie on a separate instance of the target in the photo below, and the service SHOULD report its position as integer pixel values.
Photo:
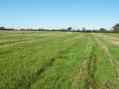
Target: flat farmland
(59, 60)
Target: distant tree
(40, 29)
(102, 30)
(2, 28)
(78, 30)
(84, 29)
(69, 28)
(116, 28)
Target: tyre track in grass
(53, 59)
(91, 81)
(46, 66)
(106, 50)
(86, 78)
(89, 71)
(79, 75)
(114, 63)
(59, 77)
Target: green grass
(58, 60)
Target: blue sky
(59, 13)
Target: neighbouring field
(59, 60)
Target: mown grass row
(60, 75)
(57, 61)
(108, 67)
(21, 63)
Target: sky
(59, 13)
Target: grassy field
(59, 60)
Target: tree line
(115, 28)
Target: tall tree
(116, 28)
(69, 28)
(102, 30)
(2, 28)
